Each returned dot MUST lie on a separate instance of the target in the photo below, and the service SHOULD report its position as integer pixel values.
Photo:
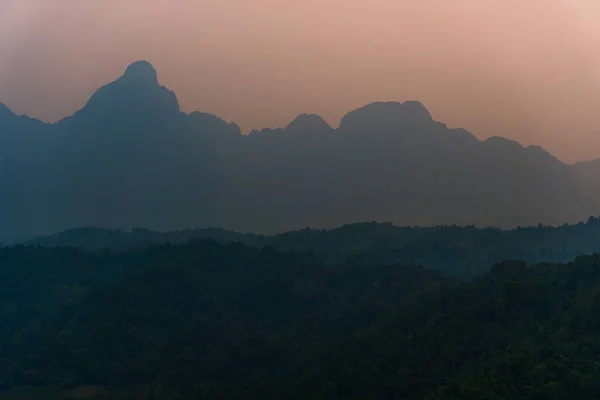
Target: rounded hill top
(141, 71)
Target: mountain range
(131, 158)
(460, 252)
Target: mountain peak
(308, 124)
(407, 110)
(141, 72)
(135, 97)
(386, 117)
(417, 108)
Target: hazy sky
(525, 69)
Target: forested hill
(129, 157)
(451, 250)
(213, 321)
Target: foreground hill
(450, 250)
(131, 158)
(214, 321)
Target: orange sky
(525, 69)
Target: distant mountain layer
(455, 251)
(131, 158)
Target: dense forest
(453, 251)
(209, 320)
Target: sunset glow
(526, 70)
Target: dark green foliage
(460, 252)
(215, 321)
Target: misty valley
(151, 254)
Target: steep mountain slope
(131, 158)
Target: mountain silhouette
(134, 98)
(588, 178)
(389, 118)
(131, 158)
(5, 112)
(308, 126)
